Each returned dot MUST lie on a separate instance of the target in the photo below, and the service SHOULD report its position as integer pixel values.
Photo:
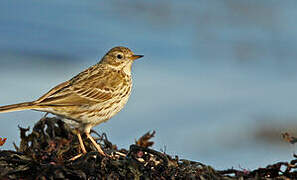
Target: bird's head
(120, 58)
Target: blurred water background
(218, 81)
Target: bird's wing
(88, 87)
(53, 91)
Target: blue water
(214, 72)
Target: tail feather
(16, 107)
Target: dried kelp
(45, 153)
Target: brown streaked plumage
(91, 97)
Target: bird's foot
(97, 146)
(76, 157)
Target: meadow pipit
(91, 97)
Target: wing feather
(88, 87)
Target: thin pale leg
(97, 146)
(82, 146)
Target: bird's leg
(97, 146)
(82, 146)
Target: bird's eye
(119, 56)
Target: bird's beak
(133, 57)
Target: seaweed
(46, 153)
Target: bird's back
(93, 96)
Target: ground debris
(144, 141)
(289, 138)
(45, 153)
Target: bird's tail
(16, 107)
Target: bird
(89, 98)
